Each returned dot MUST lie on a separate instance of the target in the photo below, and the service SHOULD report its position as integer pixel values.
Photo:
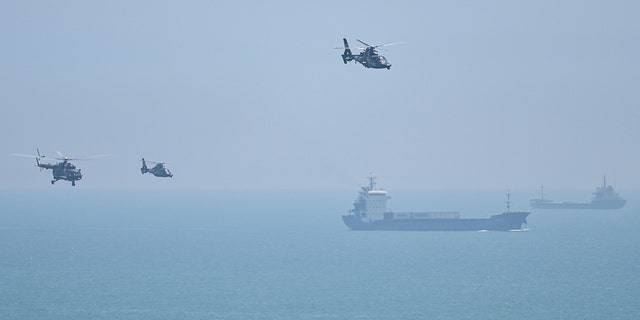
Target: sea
(74, 253)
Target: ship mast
(372, 181)
(508, 202)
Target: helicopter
(64, 170)
(369, 58)
(159, 170)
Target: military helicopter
(159, 170)
(64, 170)
(369, 58)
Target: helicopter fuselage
(373, 61)
(63, 171)
(159, 170)
(369, 58)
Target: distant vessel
(603, 198)
(370, 213)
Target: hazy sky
(251, 95)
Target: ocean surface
(86, 254)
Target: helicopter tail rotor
(38, 157)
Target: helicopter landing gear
(53, 181)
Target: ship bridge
(376, 204)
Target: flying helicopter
(369, 58)
(64, 170)
(159, 170)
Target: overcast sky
(251, 95)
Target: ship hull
(617, 204)
(500, 222)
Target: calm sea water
(82, 254)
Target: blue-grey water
(85, 254)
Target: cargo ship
(604, 198)
(370, 213)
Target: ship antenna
(542, 192)
(372, 181)
(604, 180)
(508, 201)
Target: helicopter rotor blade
(74, 159)
(380, 45)
(63, 157)
(342, 48)
(389, 44)
(26, 155)
(154, 162)
(38, 157)
(97, 156)
(366, 44)
(92, 157)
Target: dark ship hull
(501, 222)
(546, 204)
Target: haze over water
(287, 255)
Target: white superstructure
(371, 204)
